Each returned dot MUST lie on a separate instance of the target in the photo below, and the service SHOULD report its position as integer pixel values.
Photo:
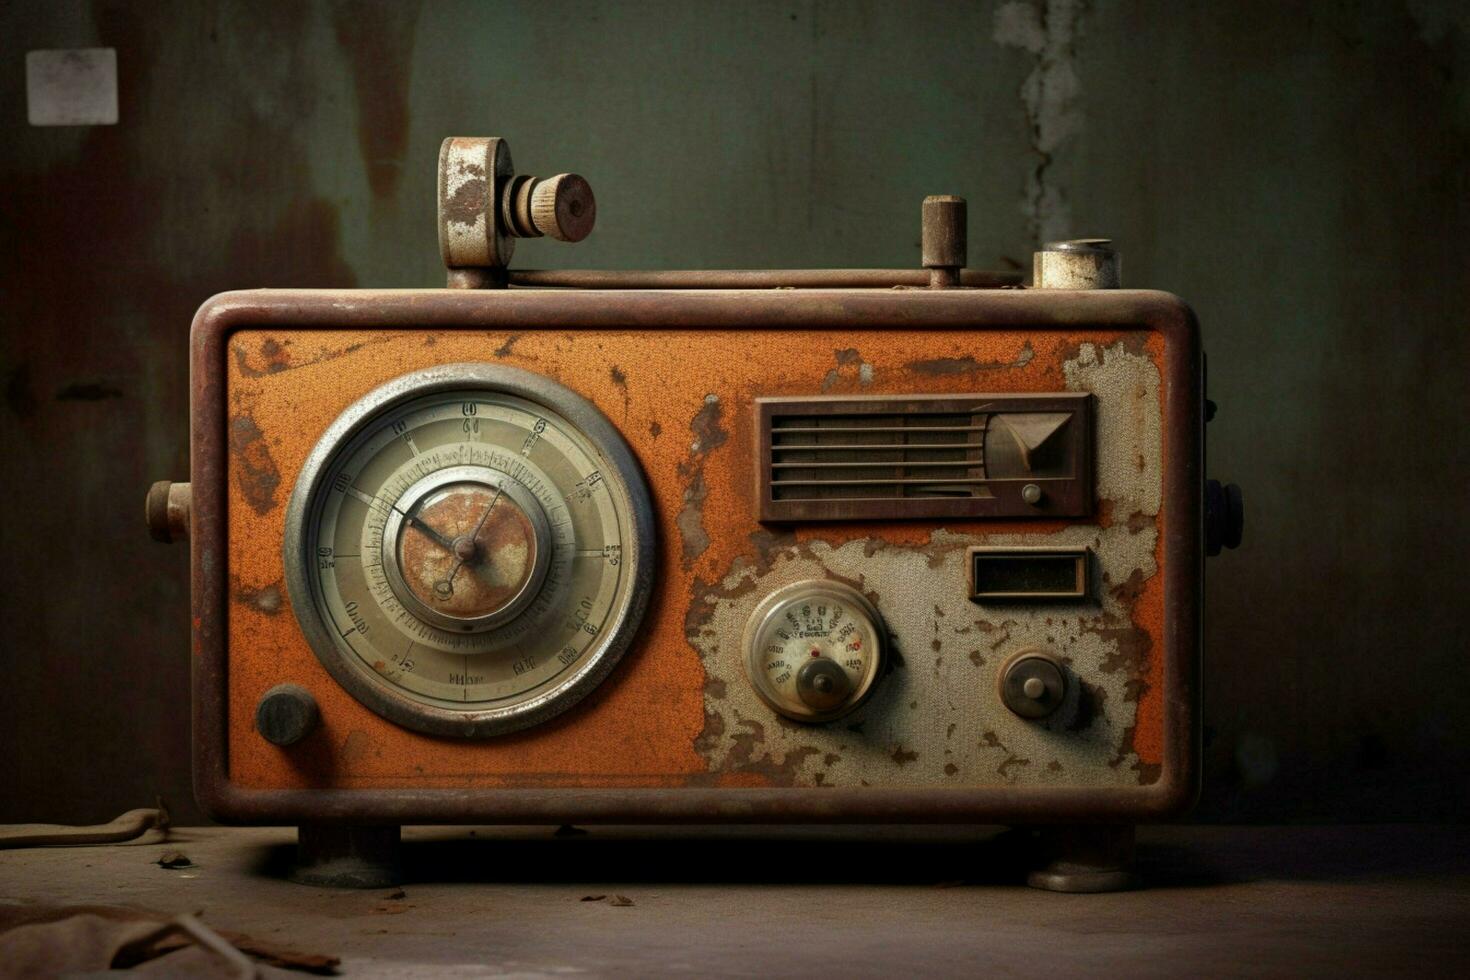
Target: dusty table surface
(853, 902)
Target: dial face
(813, 650)
(469, 559)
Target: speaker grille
(891, 456)
(922, 456)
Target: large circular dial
(468, 549)
(814, 649)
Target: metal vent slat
(889, 455)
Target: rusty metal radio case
(889, 546)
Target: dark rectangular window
(1027, 573)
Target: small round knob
(1031, 493)
(822, 684)
(1032, 684)
(563, 207)
(286, 714)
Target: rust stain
(621, 380)
(968, 364)
(691, 520)
(708, 436)
(467, 204)
(377, 39)
(502, 558)
(255, 473)
(273, 356)
(851, 371)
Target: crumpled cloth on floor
(49, 941)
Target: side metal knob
(286, 714)
(167, 510)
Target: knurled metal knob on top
(484, 206)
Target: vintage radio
(889, 546)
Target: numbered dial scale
(814, 649)
(468, 549)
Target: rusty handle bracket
(484, 206)
(752, 278)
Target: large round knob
(1032, 684)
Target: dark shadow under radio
(878, 855)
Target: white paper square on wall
(72, 87)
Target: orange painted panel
(643, 726)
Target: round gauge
(813, 650)
(469, 549)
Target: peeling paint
(935, 715)
(691, 520)
(968, 365)
(851, 371)
(708, 436)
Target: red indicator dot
(816, 652)
(857, 644)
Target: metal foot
(335, 856)
(1085, 859)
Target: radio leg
(1085, 859)
(347, 856)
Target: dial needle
(430, 533)
(445, 589)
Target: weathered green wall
(1298, 172)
